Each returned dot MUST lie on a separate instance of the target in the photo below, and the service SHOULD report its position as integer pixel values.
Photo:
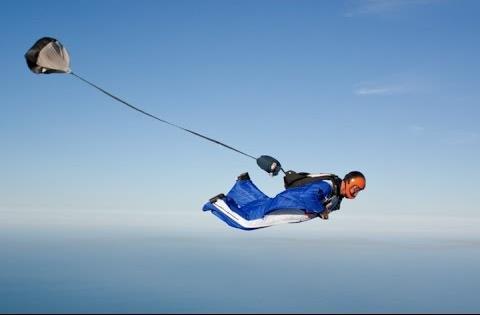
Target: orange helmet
(354, 183)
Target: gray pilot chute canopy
(48, 55)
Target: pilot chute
(48, 55)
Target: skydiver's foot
(243, 176)
(219, 196)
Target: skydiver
(306, 197)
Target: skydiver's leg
(222, 210)
(243, 202)
(245, 192)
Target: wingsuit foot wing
(214, 199)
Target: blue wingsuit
(245, 203)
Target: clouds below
(197, 223)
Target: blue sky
(386, 87)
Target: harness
(293, 179)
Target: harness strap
(293, 179)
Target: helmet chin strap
(343, 189)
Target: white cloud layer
(463, 137)
(378, 90)
(189, 223)
(376, 7)
(416, 129)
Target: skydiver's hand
(274, 169)
(324, 215)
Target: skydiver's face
(351, 188)
(353, 191)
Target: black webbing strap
(159, 119)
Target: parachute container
(48, 55)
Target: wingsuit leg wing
(244, 191)
(232, 207)
(246, 207)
